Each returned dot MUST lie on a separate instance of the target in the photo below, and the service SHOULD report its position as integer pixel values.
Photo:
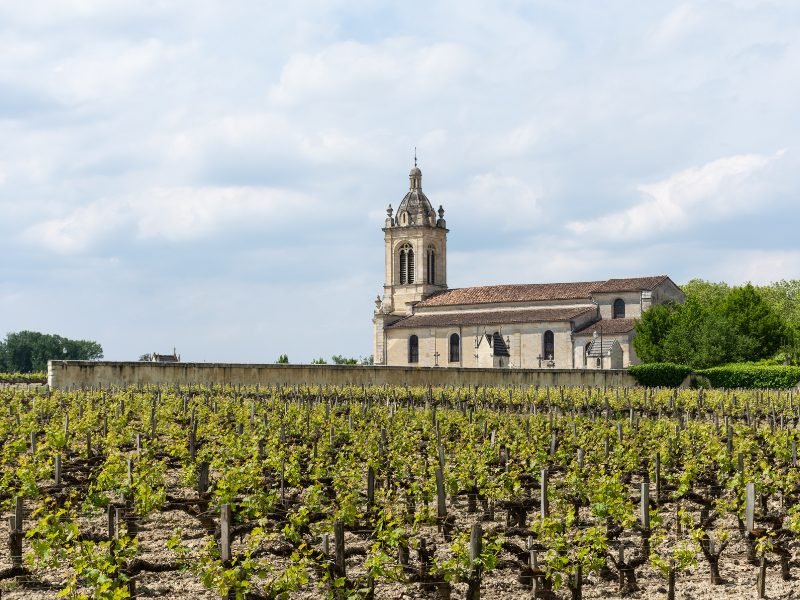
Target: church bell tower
(415, 243)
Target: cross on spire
(415, 156)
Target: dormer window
(619, 308)
(406, 264)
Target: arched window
(549, 346)
(413, 349)
(431, 265)
(455, 348)
(406, 264)
(619, 308)
(586, 353)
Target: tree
(716, 325)
(319, 361)
(761, 331)
(283, 359)
(29, 351)
(651, 331)
(784, 298)
(338, 359)
(707, 292)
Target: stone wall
(84, 374)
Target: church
(419, 321)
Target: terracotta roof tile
(631, 284)
(523, 292)
(532, 292)
(494, 317)
(608, 327)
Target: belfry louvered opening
(406, 264)
(431, 265)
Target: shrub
(660, 374)
(752, 376)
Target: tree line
(721, 324)
(29, 351)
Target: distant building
(161, 358)
(420, 321)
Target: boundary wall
(69, 374)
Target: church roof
(608, 327)
(532, 292)
(520, 292)
(493, 317)
(631, 284)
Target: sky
(213, 176)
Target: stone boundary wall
(69, 374)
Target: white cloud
(172, 214)
(679, 22)
(497, 202)
(110, 70)
(689, 196)
(757, 266)
(399, 66)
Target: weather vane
(415, 156)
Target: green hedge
(726, 376)
(752, 376)
(660, 374)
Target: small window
(455, 348)
(413, 349)
(549, 345)
(431, 265)
(619, 308)
(586, 353)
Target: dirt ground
(499, 584)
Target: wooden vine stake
(671, 584)
(762, 577)
(202, 478)
(750, 507)
(225, 519)
(111, 522)
(57, 469)
(545, 507)
(15, 535)
(441, 504)
(658, 479)
(370, 488)
(475, 550)
(645, 506)
(338, 541)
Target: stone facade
(419, 321)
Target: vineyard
(391, 492)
